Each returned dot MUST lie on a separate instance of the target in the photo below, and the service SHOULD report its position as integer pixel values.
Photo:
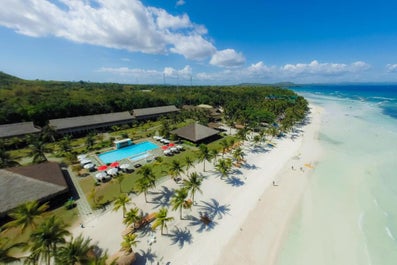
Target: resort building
(41, 182)
(18, 129)
(197, 133)
(81, 124)
(153, 113)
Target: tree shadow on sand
(163, 197)
(145, 257)
(214, 209)
(180, 237)
(259, 149)
(200, 224)
(234, 181)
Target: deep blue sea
(348, 213)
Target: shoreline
(244, 223)
(265, 227)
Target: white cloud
(316, 68)
(391, 68)
(227, 58)
(121, 24)
(184, 72)
(180, 2)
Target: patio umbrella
(180, 147)
(89, 165)
(171, 144)
(112, 171)
(81, 157)
(124, 166)
(100, 175)
(164, 147)
(102, 168)
(115, 164)
(85, 161)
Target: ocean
(348, 213)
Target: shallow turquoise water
(126, 152)
(348, 214)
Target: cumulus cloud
(227, 58)
(121, 24)
(391, 68)
(184, 72)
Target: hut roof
(36, 182)
(80, 121)
(195, 132)
(17, 129)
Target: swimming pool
(126, 152)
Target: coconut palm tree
(121, 203)
(143, 186)
(132, 216)
(5, 249)
(75, 251)
(64, 145)
(175, 169)
(162, 219)
(238, 154)
(46, 239)
(224, 143)
(129, 241)
(6, 160)
(26, 215)
(37, 149)
(178, 200)
(148, 174)
(223, 167)
(189, 163)
(90, 140)
(205, 154)
(193, 183)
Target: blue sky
(200, 41)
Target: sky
(200, 42)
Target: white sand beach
(250, 213)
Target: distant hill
(7, 79)
(279, 84)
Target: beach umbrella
(164, 147)
(115, 164)
(171, 144)
(81, 157)
(124, 166)
(112, 171)
(180, 147)
(89, 165)
(85, 161)
(100, 175)
(102, 168)
(174, 149)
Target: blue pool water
(126, 152)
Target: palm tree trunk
(181, 213)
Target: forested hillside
(39, 101)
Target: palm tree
(189, 163)
(46, 239)
(175, 169)
(148, 174)
(5, 249)
(143, 186)
(162, 219)
(205, 154)
(178, 201)
(224, 143)
(48, 133)
(193, 183)
(121, 203)
(76, 251)
(213, 154)
(37, 149)
(223, 167)
(90, 140)
(26, 215)
(129, 241)
(132, 216)
(238, 154)
(64, 145)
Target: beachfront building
(20, 129)
(41, 182)
(153, 113)
(197, 133)
(82, 124)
